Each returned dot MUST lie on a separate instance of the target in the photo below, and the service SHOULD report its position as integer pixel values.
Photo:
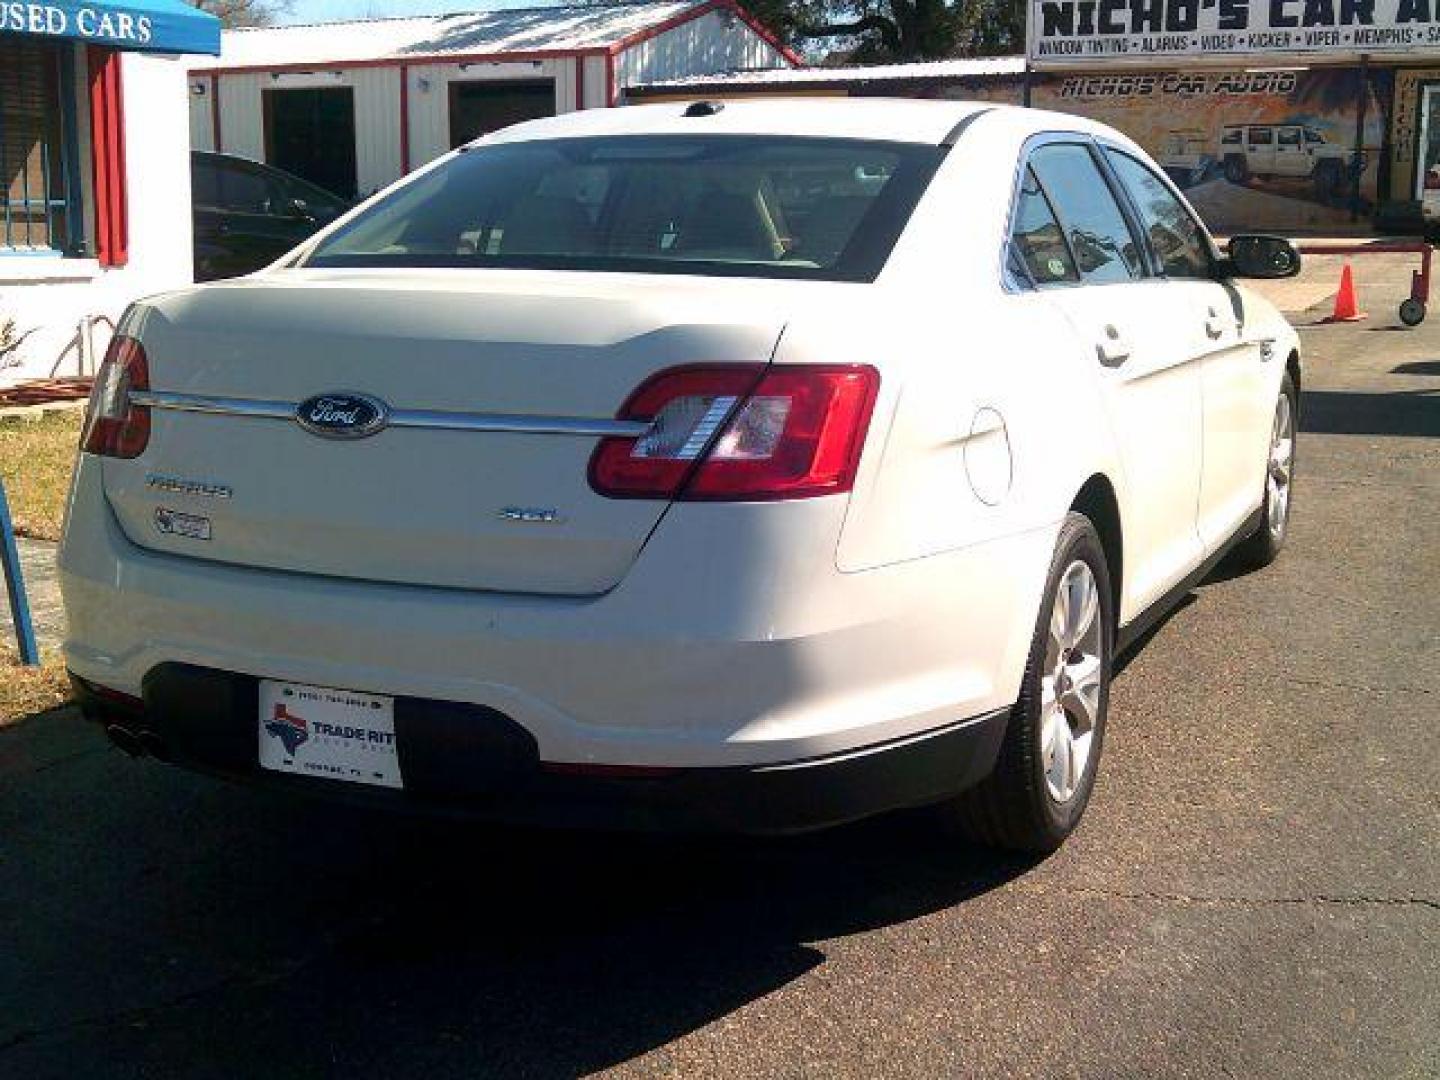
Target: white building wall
(597, 93)
(202, 120)
(52, 295)
(242, 120)
(430, 98)
(712, 43)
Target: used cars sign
(140, 25)
(1085, 32)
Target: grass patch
(25, 691)
(36, 458)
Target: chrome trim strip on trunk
(428, 419)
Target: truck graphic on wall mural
(1289, 151)
(1186, 156)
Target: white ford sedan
(751, 466)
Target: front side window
(1103, 245)
(717, 205)
(1289, 136)
(34, 210)
(1036, 239)
(1175, 236)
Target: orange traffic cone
(1347, 309)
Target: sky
(313, 11)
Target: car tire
(1038, 790)
(1262, 547)
(1236, 170)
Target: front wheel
(1046, 769)
(1262, 548)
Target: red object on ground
(1347, 309)
(44, 391)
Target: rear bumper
(734, 641)
(476, 762)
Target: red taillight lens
(114, 425)
(1432, 180)
(741, 433)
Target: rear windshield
(720, 205)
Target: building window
(38, 169)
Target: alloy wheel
(1071, 681)
(1281, 467)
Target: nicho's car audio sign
(1083, 32)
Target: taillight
(741, 433)
(1432, 180)
(114, 425)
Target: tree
(232, 13)
(880, 31)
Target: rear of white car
(575, 555)
(752, 467)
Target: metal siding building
(413, 88)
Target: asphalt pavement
(1255, 890)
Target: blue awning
(164, 26)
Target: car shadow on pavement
(1352, 412)
(170, 925)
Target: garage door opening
(311, 132)
(478, 108)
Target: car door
(252, 231)
(1092, 266)
(1260, 150)
(1235, 365)
(1290, 156)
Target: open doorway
(478, 108)
(310, 132)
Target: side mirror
(1261, 257)
(298, 209)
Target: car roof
(888, 119)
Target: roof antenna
(703, 108)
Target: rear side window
(1035, 237)
(1175, 236)
(1261, 137)
(718, 205)
(242, 190)
(1102, 243)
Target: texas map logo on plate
(287, 727)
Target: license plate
(334, 734)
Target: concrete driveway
(1255, 892)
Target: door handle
(1114, 350)
(1214, 324)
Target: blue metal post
(15, 586)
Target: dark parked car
(247, 214)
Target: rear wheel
(1236, 171)
(1042, 780)
(1264, 546)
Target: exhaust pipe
(126, 740)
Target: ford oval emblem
(342, 416)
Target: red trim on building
(579, 83)
(215, 113)
(404, 119)
(107, 152)
(771, 39)
(611, 90)
(701, 11)
(311, 66)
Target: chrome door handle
(1114, 350)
